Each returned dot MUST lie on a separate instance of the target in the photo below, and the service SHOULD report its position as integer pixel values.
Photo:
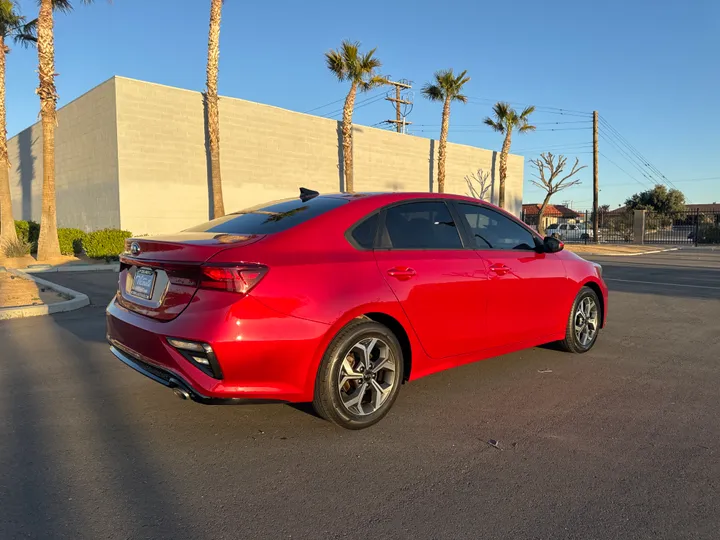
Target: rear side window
(270, 218)
(420, 225)
(364, 233)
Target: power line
(623, 170)
(488, 130)
(629, 158)
(699, 179)
(538, 108)
(326, 105)
(359, 104)
(636, 152)
(632, 149)
(556, 147)
(485, 125)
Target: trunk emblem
(135, 248)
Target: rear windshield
(270, 218)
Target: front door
(440, 284)
(527, 291)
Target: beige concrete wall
(86, 164)
(266, 154)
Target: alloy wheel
(367, 376)
(586, 321)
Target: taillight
(236, 278)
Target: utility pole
(399, 102)
(595, 177)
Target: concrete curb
(77, 300)
(75, 268)
(624, 254)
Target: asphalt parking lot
(623, 442)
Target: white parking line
(664, 284)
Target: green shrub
(16, 248)
(28, 231)
(71, 241)
(105, 244)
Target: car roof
(382, 197)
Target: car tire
(584, 322)
(360, 375)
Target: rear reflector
(236, 278)
(198, 353)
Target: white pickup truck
(569, 231)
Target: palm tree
(48, 245)
(12, 25)
(211, 102)
(446, 88)
(506, 119)
(349, 64)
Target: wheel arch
(400, 333)
(388, 314)
(598, 291)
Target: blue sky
(649, 68)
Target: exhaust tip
(182, 394)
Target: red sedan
(339, 299)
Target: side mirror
(552, 245)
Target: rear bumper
(264, 356)
(172, 380)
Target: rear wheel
(584, 322)
(360, 375)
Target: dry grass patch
(16, 291)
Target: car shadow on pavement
(82, 467)
(35, 502)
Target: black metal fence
(692, 227)
(685, 227)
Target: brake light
(238, 279)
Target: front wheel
(584, 322)
(360, 375)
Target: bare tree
(550, 178)
(479, 185)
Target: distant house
(554, 213)
(711, 208)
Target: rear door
(528, 290)
(440, 284)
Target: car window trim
(471, 238)
(451, 211)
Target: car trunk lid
(160, 275)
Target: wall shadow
(208, 158)
(142, 487)
(34, 495)
(431, 166)
(493, 192)
(341, 162)
(26, 172)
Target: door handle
(499, 269)
(403, 273)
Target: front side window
(420, 225)
(492, 230)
